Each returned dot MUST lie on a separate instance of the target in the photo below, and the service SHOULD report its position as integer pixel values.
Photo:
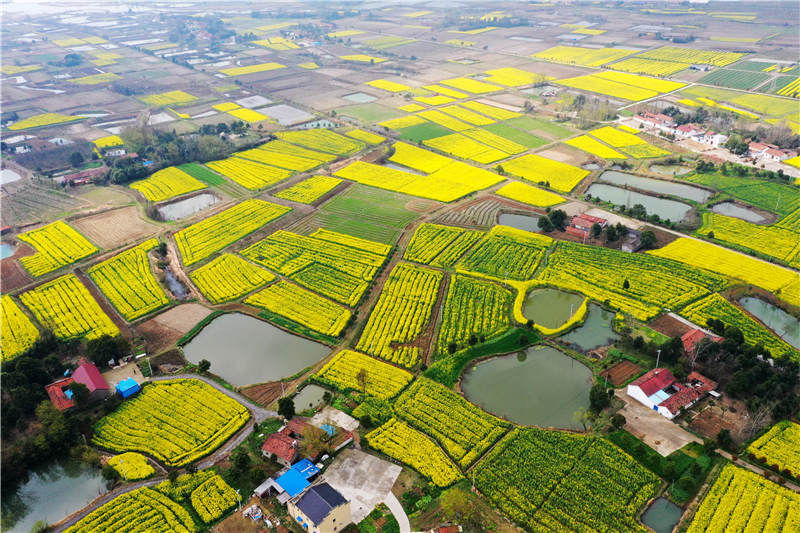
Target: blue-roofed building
(306, 468)
(321, 509)
(127, 387)
(293, 482)
(329, 429)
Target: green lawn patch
(448, 369)
(369, 112)
(423, 132)
(768, 195)
(365, 212)
(518, 136)
(204, 174)
(559, 131)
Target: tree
(362, 379)
(558, 217)
(545, 225)
(581, 416)
(736, 144)
(80, 393)
(286, 408)
(598, 398)
(173, 474)
(461, 506)
(626, 285)
(724, 440)
(618, 420)
(204, 365)
(240, 459)
(597, 229)
(648, 239)
(76, 159)
(611, 234)
(102, 349)
(109, 473)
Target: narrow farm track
(755, 469)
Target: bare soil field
(669, 326)
(13, 274)
(716, 415)
(165, 329)
(621, 372)
(115, 228)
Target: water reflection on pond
(730, 209)
(658, 186)
(666, 209)
(550, 307)
(51, 494)
(189, 206)
(523, 222)
(541, 386)
(662, 515)
(782, 323)
(244, 350)
(595, 331)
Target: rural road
(259, 415)
(399, 514)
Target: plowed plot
(165, 329)
(12, 273)
(112, 229)
(621, 372)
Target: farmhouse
(321, 509)
(59, 393)
(656, 120)
(692, 338)
(89, 375)
(659, 390)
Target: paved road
(259, 413)
(399, 513)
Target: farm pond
(658, 186)
(595, 331)
(51, 494)
(662, 515)
(730, 209)
(187, 207)
(666, 209)
(550, 307)
(523, 222)
(6, 250)
(244, 350)
(540, 386)
(782, 323)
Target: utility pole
(658, 358)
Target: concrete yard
(655, 430)
(363, 479)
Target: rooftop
(57, 394)
(654, 380)
(282, 445)
(319, 501)
(88, 374)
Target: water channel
(664, 208)
(244, 350)
(540, 386)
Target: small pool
(189, 206)
(730, 209)
(7, 250)
(662, 515)
(550, 307)
(309, 397)
(360, 98)
(523, 222)
(595, 331)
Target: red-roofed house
(87, 374)
(690, 131)
(691, 338)
(585, 222)
(572, 230)
(283, 446)
(659, 390)
(58, 394)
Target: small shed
(127, 387)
